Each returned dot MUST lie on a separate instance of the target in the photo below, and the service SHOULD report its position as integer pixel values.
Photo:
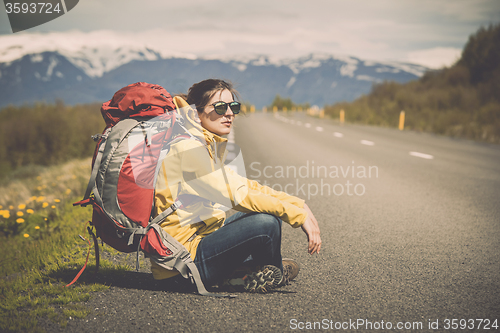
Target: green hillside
(43, 135)
(460, 101)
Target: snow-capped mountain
(86, 67)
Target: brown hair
(200, 93)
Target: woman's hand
(311, 228)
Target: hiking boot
(291, 269)
(258, 280)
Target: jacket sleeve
(282, 196)
(221, 185)
(257, 201)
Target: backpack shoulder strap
(123, 127)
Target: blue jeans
(255, 235)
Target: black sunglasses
(221, 107)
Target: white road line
(368, 143)
(319, 129)
(308, 125)
(421, 155)
(338, 135)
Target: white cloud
(437, 57)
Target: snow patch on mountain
(367, 78)
(291, 82)
(396, 67)
(410, 68)
(97, 61)
(311, 61)
(351, 65)
(94, 52)
(36, 58)
(296, 65)
(52, 65)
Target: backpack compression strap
(180, 260)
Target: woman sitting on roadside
(245, 248)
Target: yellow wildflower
(5, 213)
(37, 227)
(53, 207)
(21, 206)
(39, 177)
(39, 188)
(20, 220)
(33, 198)
(57, 200)
(26, 235)
(1, 206)
(30, 211)
(19, 213)
(68, 191)
(11, 207)
(45, 205)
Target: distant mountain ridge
(79, 73)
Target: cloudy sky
(428, 32)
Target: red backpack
(141, 123)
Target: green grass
(41, 249)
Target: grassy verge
(41, 249)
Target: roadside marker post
(402, 120)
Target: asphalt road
(411, 238)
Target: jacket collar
(211, 137)
(215, 143)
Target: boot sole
(262, 281)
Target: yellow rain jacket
(194, 168)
